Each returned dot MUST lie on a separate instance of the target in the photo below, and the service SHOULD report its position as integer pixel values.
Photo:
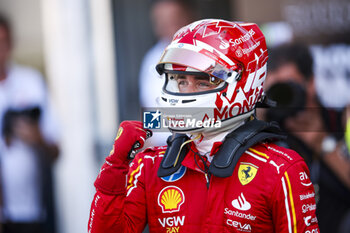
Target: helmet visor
(196, 60)
(191, 82)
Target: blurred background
(90, 53)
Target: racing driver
(231, 178)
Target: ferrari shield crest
(246, 172)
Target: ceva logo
(241, 203)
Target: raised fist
(130, 137)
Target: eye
(182, 82)
(204, 84)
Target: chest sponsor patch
(170, 199)
(172, 224)
(246, 172)
(241, 203)
(175, 176)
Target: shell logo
(170, 199)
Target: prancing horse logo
(247, 172)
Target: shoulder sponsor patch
(176, 176)
(304, 179)
(247, 172)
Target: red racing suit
(269, 191)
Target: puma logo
(277, 167)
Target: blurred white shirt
(23, 88)
(150, 82)
(150, 85)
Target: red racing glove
(112, 177)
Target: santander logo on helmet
(233, 52)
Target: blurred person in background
(167, 16)
(28, 145)
(290, 82)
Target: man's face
(194, 83)
(285, 73)
(5, 46)
(290, 73)
(307, 123)
(167, 18)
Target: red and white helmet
(233, 52)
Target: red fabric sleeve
(294, 206)
(125, 210)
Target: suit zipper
(207, 178)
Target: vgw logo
(151, 120)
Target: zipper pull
(207, 177)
